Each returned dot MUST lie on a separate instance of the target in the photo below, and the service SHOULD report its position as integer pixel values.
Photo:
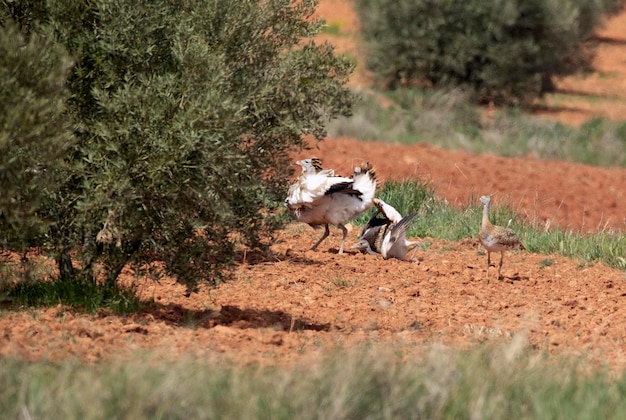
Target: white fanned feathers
(387, 235)
(320, 198)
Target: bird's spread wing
(309, 188)
(327, 172)
(399, 230)
(397, 235)
(343, 188)
(374, 222)
(320, 183)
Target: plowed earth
(301, 303)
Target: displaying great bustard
(320, 198)
(386, 235)
(312, 182)
(496, 238)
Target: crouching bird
(387, 235)
(496, 238)
(320, 198)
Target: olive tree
(505, 51)
(35, 133)
(185, 113)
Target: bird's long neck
(309, 170)
(486, 225)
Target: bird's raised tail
(390, 213)
(365, 181)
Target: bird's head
(362, 246)
(485, 200)
(310, 165)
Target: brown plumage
(496, 238)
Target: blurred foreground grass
(491, 381)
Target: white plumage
(319, 197)
(312, 183)
(386, 236)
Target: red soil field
(301, 303)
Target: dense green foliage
(35, 133)
(184, 114)
(489, 381)
(503, 51)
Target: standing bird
(386, 236)
(320, 198)
(496, 238)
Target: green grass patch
(435, 217)
(332, 28)
(606, 247)
(546, 263)
(448, 119)
(488, 381)
(80, 295)
(611, 75)
(439, 219)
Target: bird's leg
(413, 246)
(324, 236)
(500, 267)
(343, 239)
(488, 263)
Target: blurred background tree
(501, 51)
